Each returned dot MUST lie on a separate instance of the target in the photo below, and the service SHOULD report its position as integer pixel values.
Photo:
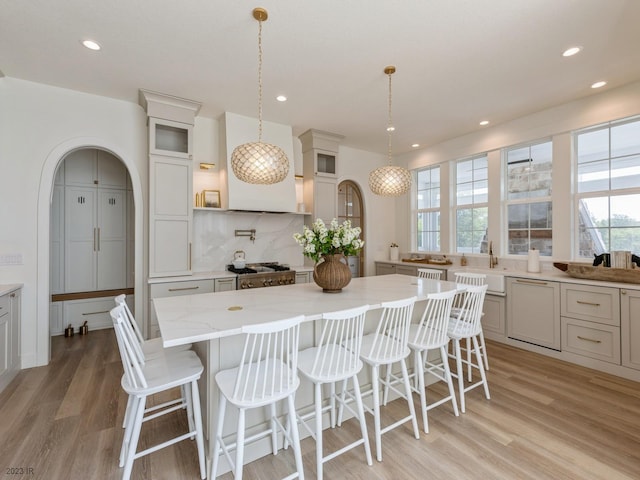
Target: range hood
(280, 197)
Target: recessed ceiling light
(598, 84)
(484, 122)
(91, 45)
(415, 145)
(391, 128)
(281, 98)
(569, 52)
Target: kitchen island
(214, 323)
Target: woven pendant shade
(259, 163)
(390, 181)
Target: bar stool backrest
(392, 333)
(435, 320)
(338, 348)
(133, 327)
(467, 318)
(126, 345)
(268, 368)
(470, 278)
(430, 273)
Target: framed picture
(211, 198)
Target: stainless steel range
(258, 275)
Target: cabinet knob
(623, 292)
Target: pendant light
(258, 162)
(390, 180)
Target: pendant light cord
(390, 123)
(259, 81)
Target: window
(428, 203)
(471, 205)
(608, 188)
(528, 198)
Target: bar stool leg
(318, 425)
(295, 436)
(197, 415)
(240, 444)
(222, 404)
(375, 372)
(363, 421)
(407, 389)
(447, 376)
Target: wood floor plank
(546, 419)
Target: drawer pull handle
(588, 303)
(532, 282)
(589, 339)
(183, 288)
(96, 313)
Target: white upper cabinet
(170, 182)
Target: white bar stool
(465, 325)
(142, 380)
(147, 350)
(469, 278)
(431, 334)
(265, 375)
(387, 346)
(336, 358)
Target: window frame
(473, 206)
(525, 200)
(419, 211)
(608, 193)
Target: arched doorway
(92, 239)
(351, 207)
(45, 194)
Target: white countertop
(549, 273)
(195, 318)
(10, 287)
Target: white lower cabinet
(630, 327)
(493, 318)
(591, 321)
(303, 277)
(224, 284)
(385, 268)
(533, 312)
(10, 338)
(590, 339)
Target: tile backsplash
(214, 240)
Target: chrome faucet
(493, 261)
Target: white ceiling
(458, 61)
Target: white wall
(380, 212)
(39, 124)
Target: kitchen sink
(495, 277)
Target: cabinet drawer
(596, 304)
(173, 289)
(94, 311)
(590, 339)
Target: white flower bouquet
(321, 240)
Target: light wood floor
(546, 420)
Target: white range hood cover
(280, 197)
